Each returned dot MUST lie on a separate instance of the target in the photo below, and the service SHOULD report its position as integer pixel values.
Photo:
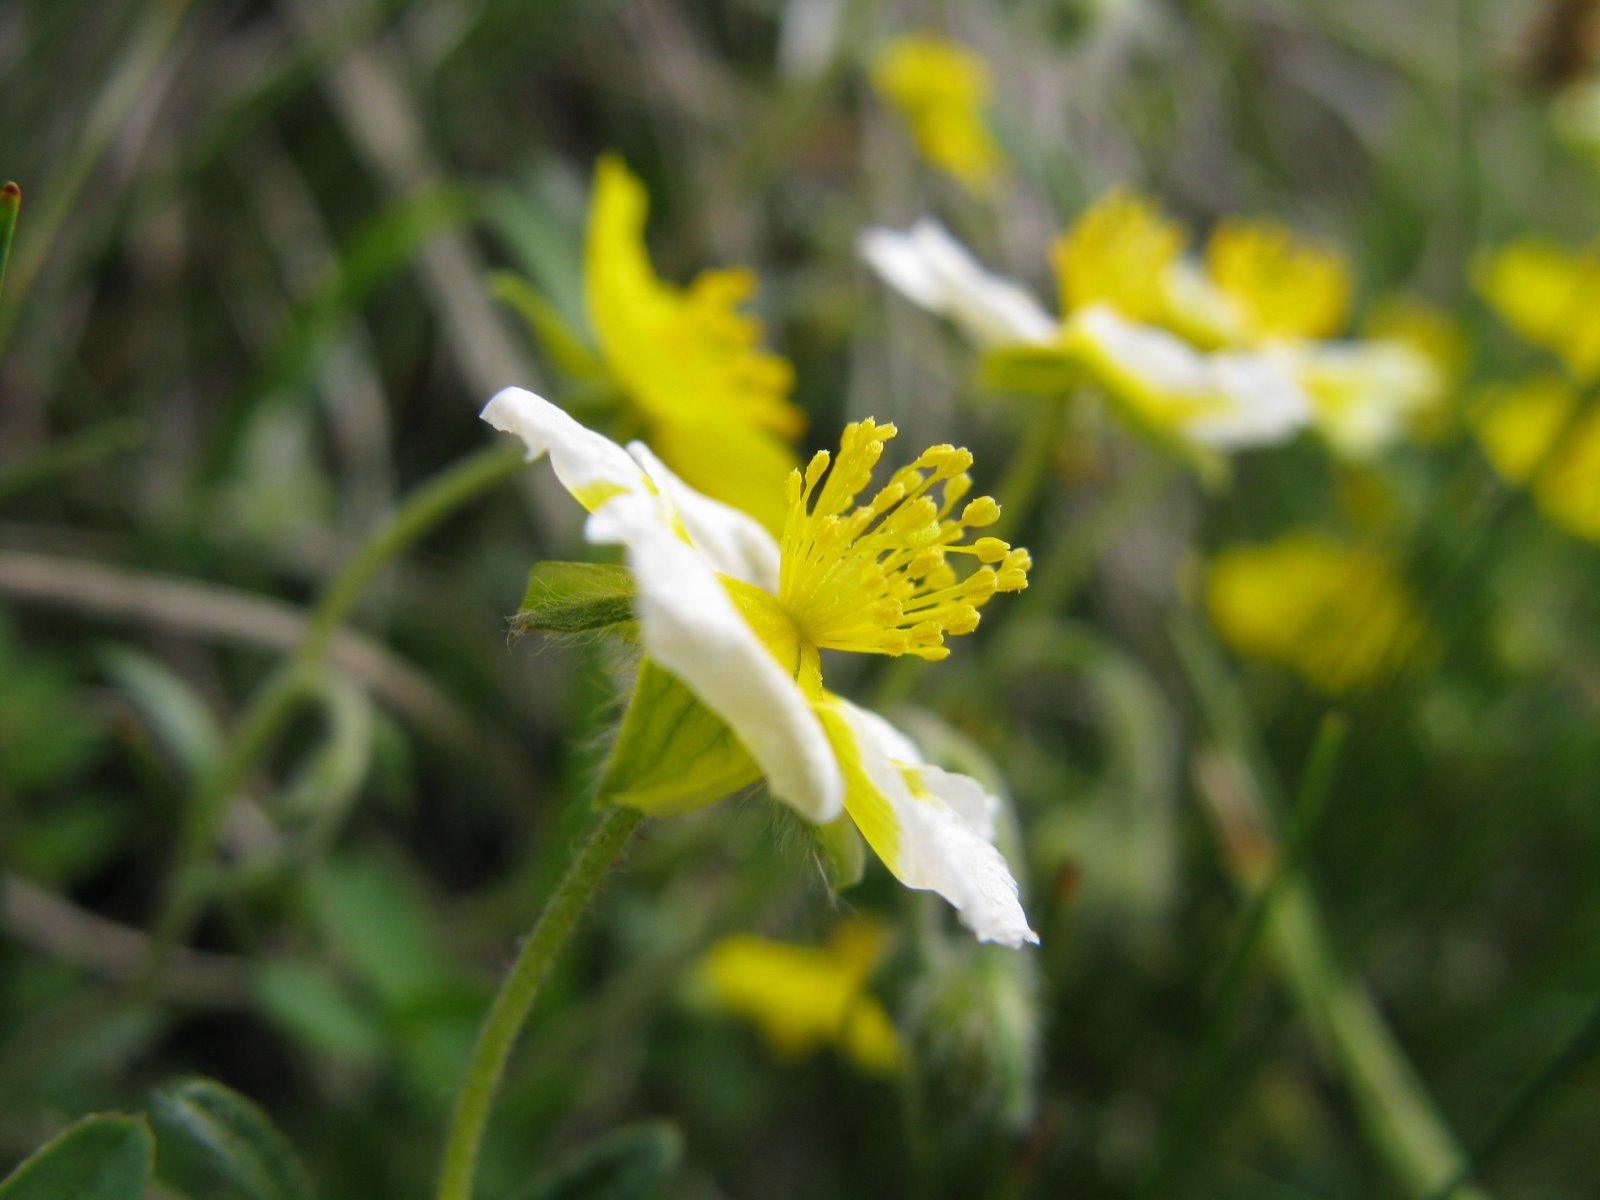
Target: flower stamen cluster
(874, 578)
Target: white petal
(689, 625)
(1250, 398)
(1268, 406)
(930, 268)
(593, 468)
(1200, 309)
(933, 829)
(733, 542)
(1363, 393)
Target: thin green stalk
(10, 206)
(138, 60)
(517, 993)
(83, 450)
(1196, 1096)
(1580, 1046)
(1019, 488)
(1067, 562)
(1237, 786)
(276, 701)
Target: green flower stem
(1240, 794)
(518, 992)
(1196, 1103)
(275, 703)
(1030, 469)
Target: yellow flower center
(875, 577)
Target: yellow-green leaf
(672, 754)
(1030, 371)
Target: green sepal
(1030, 371)
(840, 852)
(565, 346)
(104, 1157)
(568, 597)
(672, 753)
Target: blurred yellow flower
(941, 89)
(713, 403)
(1549, 295)
(1119, 253)
(804, 997)
(1281, 285)
(1518, 428)
(1337, 614)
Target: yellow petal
(1282, 285)
(1339, 615)
(801, 998)
(1550, 296)
(1517, 429)
(742, 466)
(685, 358)
(940, 90)
(1119, 253)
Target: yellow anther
(965, 620)
(991, 549)
(875, 577)
(982, 511)
(1018, 560)
(955, 491)
(1011, 581)
(981, 584)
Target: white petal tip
(519, 412)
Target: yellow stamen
(873, 577)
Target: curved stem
(517, 994)
(1030, 468)
(272, 706)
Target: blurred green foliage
(276, 254)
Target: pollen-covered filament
(874, 577)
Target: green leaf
(562, 344)
(672, 753)
(230, 1140)
(103, 1157)
(625, 1164)
(173, 710)
(313, 1007)
(567, 597)
(374, 916)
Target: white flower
(1365, 394)
(1225, 399)
(931, 269)
(739, 619)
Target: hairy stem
(517, 993)
(275, 703)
